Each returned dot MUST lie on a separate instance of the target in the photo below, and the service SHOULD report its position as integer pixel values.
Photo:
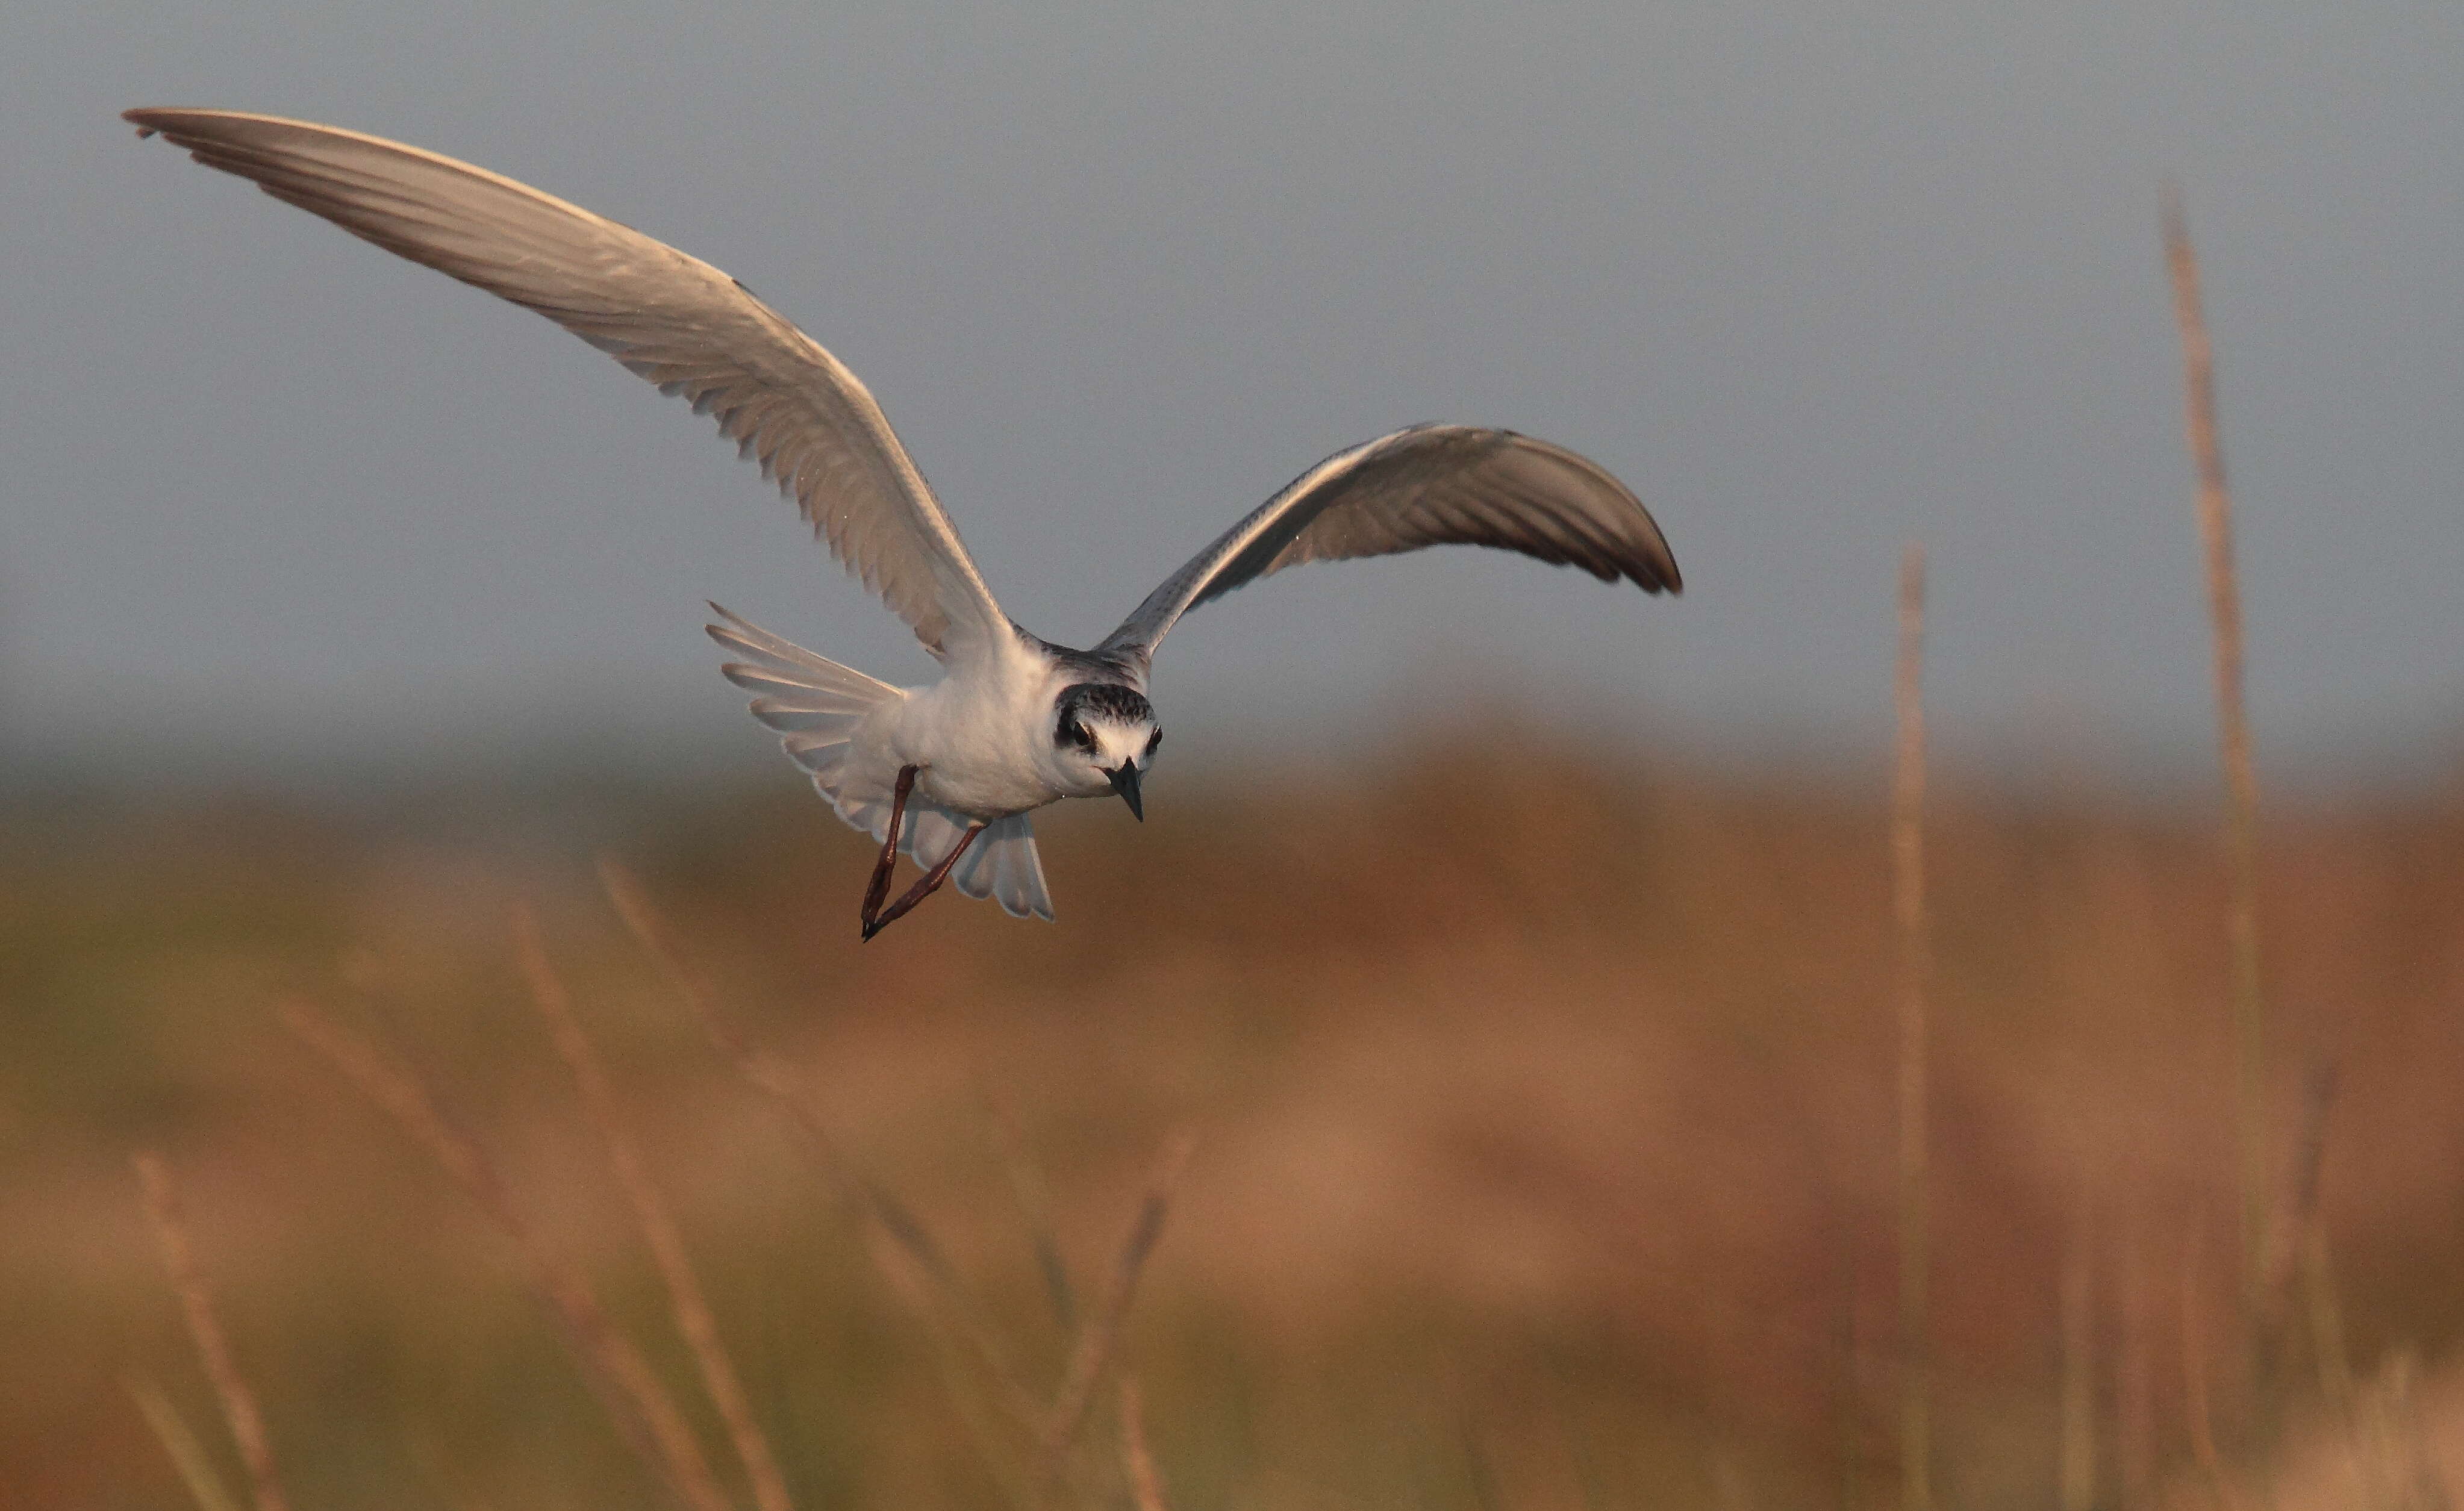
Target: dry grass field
(1541, 1149)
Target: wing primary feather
(673, 319)
(1425, 486)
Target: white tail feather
(1004, 865)
(815, 704)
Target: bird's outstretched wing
(1427, 486)
(674, 320)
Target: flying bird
(947, 774)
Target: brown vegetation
(1545, 1142)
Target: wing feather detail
(673, 319)
(1430, 485)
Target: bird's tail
(1003, 867)
(815, 704)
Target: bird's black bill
(1125, 781)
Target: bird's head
(1106, 735)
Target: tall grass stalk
(2306, 1259)
(2197, 1406)
(1145, 1486)
(921, 1273)
(1034, 1207)
(684, 1295)
(230, 1388)
(2077, 1475)
(640, 1406)
(2232, 740)
(944, 1297)
(187, 1453)
(1101, 1334)
(2134, 1386)
(1915, 967)
(1003, 1429)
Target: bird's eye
(1080, 735)
(1155, 742)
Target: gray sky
(1812, 279)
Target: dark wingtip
(1655, 577)
(1661, 564)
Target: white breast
(978, 738)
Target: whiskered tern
(947, 774)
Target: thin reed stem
(772, 1077)
(2234, 749)
(1097, 1340)
(2078, 1469)
(2196, 1403)
(2134, 1386)
(685, 1295)
(230, 1386)
(638, 1404)
(1003, 1438)
(1915, 969)
(1034, 1207)
(2303, 1259)
(1849, 1389)
(187, 1454)
(1146, 1486)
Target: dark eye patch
(1155, 742)
(1115, 702)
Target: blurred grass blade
(2134, 1390)
(1002, 1440)
(1915, 967)
(639, 1405)
(2234, 749)
(2197, 1407)
(1034, 1206)
(2078, 1469)
(954, 1305)
(684, 1295)
(2308, 1261)
(187, 1454)
(1146, 1486)
(1102, 1332)
(230, 1388)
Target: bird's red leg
(880, 887)
(925, 885)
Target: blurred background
(1517, 950)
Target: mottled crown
(1104, 700)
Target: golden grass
(2233, 750)
(659, 1232)
(1908, 914)
(2197, 1402)
(1146, 1483)
(1608, 1175)
(1097, 1341)
(230, 1388)
(2075, 1478)
(186, 1451)
(639, 1403)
